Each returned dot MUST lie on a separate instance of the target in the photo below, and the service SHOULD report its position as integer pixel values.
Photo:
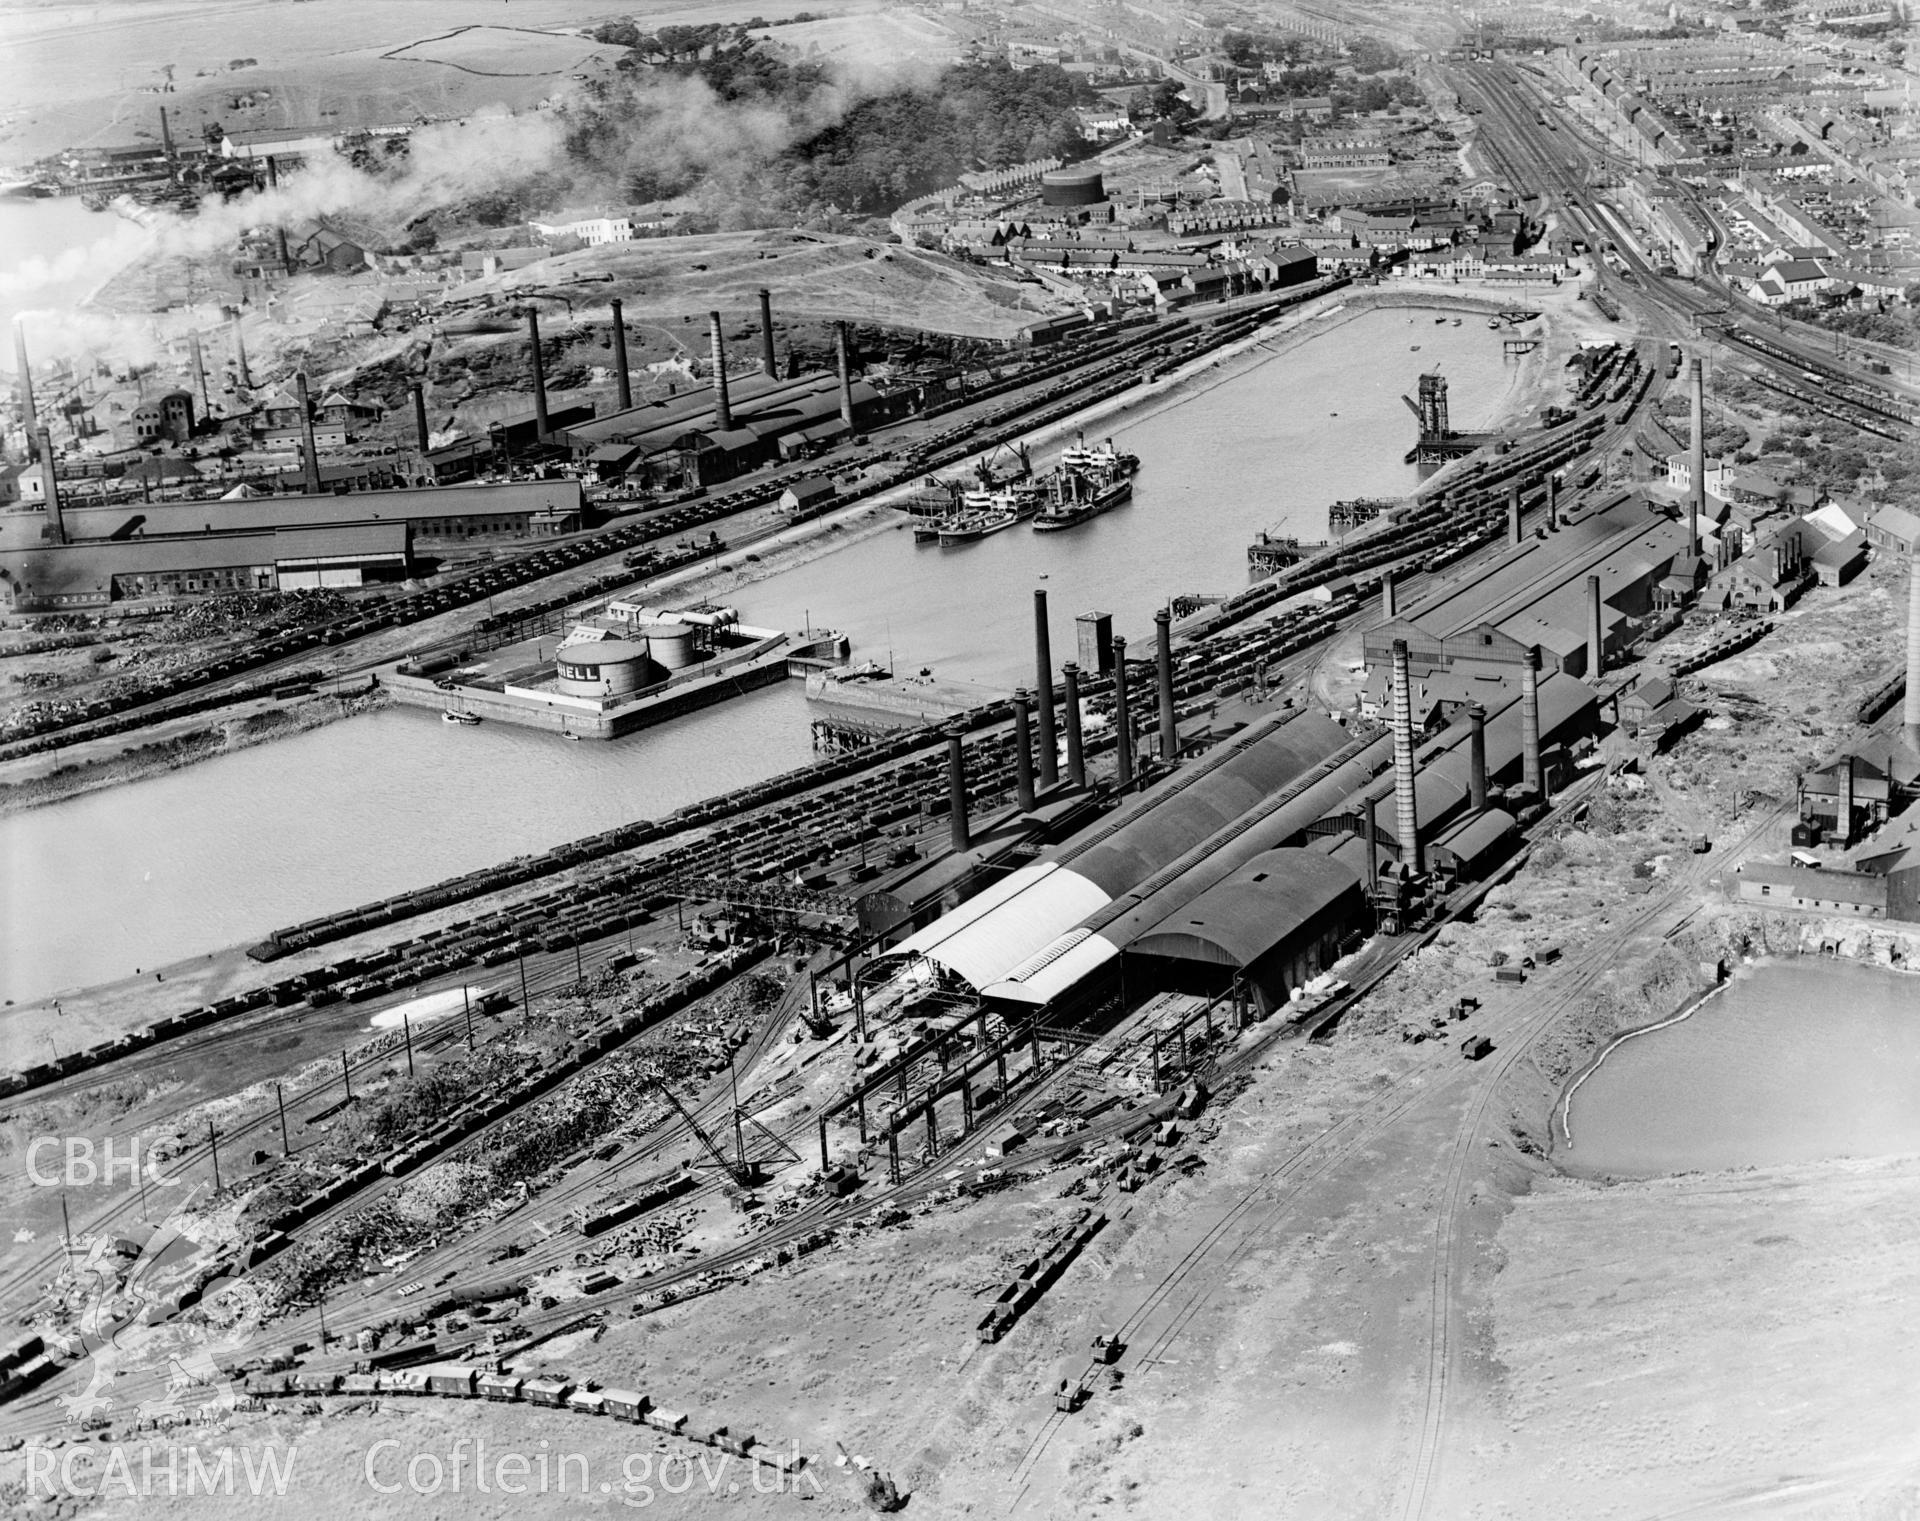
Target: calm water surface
(1796, 1061)
(222, 852)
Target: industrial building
(97, 572)
(706, 437)
(1251, 865)
(506, 509)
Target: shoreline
(206, 742)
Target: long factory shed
(1174, 875)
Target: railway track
(1417, 1494)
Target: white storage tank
(604, 668)
(672, 645)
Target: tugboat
(452, 717)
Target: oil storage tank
(672, 645)
(605, 669)
(1077, 185)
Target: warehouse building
(679, 444)
(1248, 864)
(507, 509)
(100, 572)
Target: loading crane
(743, 1172)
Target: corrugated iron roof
(1236, 921)
(991, 934)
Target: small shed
(807, 494)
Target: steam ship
(984, 513)
(1090, 481)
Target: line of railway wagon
(460, 1381)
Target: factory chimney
(722, 408)
(1122, 716)
(30, 416)
(1405, 807)
(241, 373)
(56, 519)
(166, 137)
(1022, 753)
(1843, 811)
(279, 228)
(957, 793)
(1697, 454)
(766, 334)
(1163, 667)
(1513, 513)
(1596, 632)
(421, 433)
(620, 376)
(845, 363)
(1910, 713)
(1530, 777)
(1386, 595)
(539, 378)
(1553, 502)
(1043, 668)
(197, 356)
(1476, 757)
(1371, 836)
(1076, 753)
(310, 460)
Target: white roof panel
(988, 936)
(1043, 977)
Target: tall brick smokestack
(1022, 753)
(1843, 814)
(620, 375)
(1513, 513)
(1697, 453)
(1553, 502)
(56, 518)
(279, 229)
(539, 377)
(241, 373)
(844, 361)
(957, 831)
(1043, 674)
(1910, 712)
(310, 462)
(766, 334)
(1406, 807)
(30, 415)
(722, 408)
(1122, 717)
(1596, 632)
(1477, 757)
(421, 433)
(198, 358)
(1530, 776)
(166, 137)
(1163, 671)
(1076, 751)
(1387, 604)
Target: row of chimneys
(1038, 704)
(717, 360)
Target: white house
(1789, 280)
(591, 227)
(1680, 475)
